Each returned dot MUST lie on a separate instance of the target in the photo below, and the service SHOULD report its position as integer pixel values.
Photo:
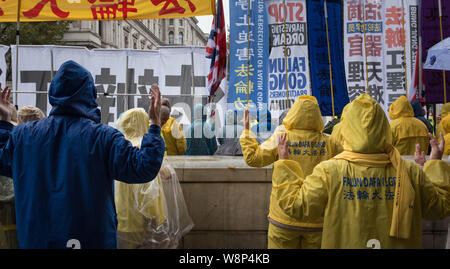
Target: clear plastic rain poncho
(151, 215)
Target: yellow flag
(70, 10)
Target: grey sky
(204, 22)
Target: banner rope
(404, 49)
(288, 105)
(329, 57)
(248, 51)
(442, 38)
(365, 47)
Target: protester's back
(355, 192)
(407, 131)
(228, 136)
(309, 146)
(445, 110)
(200, 136)
(420, 114)
(63, 168)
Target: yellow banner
(71, 10)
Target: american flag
(216, 50)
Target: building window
(134, 44)
(126, 42)
(171, 37)
(181, 22)
(180, 37)
(170, 21)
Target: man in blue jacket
(64, 166)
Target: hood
(400, 108)
(446, 126)
(365, 128)
(445, 110)
(417, 108)
(72, 92)
(231, 117)
(134, 124)
(304, 115)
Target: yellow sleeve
(258, 155)
(435, 190)
(181, 140)
(302, 199)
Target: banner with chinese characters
(318, 53)
(247, 44)
(70, 10)
(295, 40)
(379, 65)
(123, 78)
(3, 67)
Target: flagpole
(329, 56)
(404, 50)
(248, 51)
(288, 105)
(442, 37)
(365, 47)
(17, 48)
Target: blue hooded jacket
(64, 167)
(200, 137)
(420, 114)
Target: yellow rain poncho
(445, 111)
(140, 207)
(407, 130)
(368, 193)
(308, 147)
(445, 123)
(174, 137)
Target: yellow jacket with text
(308, 147)
(407, 130)
(174, 137)
(355, 191)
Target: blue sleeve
(133, 165)
(6, 148)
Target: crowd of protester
(80, 183)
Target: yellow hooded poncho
(445, 123)
(407, 131)
(174, 137)
(445, 111)
(359, 193)
(308, 147)
(139, 206)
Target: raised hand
(154, 111)
(419, 157)
(5, 105)
(283, 150)
(437, 149)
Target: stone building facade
(136, 34)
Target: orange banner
(71, 10)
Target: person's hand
(5, 106)
(419, 157)
(283, 150)
(246, 119)
(154, 111)
(437, 149)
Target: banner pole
(288, 104)
(248, 51)
(17, 48)
(365, 47)
(442, 37)
(329, 56)
(404, 49)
